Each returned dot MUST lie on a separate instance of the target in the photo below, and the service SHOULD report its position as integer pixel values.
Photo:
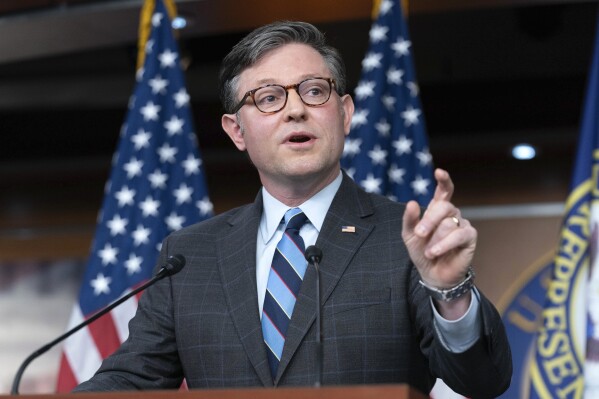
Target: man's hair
(258, 42)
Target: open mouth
(299, 139)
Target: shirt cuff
(459, 335)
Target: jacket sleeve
(482, 371)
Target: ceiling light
(524, 151)
(179, 22)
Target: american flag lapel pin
(348, 229)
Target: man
(228, 320)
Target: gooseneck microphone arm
(173, 265)
(313, 255)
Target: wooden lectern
(399, 391)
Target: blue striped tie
(284, 281)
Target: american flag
(387, 150)
(156, 187)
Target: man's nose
(295, 106)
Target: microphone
(313, 255)
(173, 265)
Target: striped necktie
(284, 281)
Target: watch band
(449, 294)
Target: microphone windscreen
(174, 264)
(313, 254)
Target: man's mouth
(299, 139)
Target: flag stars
(167, 153)
(117, 225)
(167, 59)
(133, 264)
(351, 147)
(149, 206)
(402, 145)
(385, 7)
(150, 111)
(181, 98)
(378, 155)
(383, 127)
(395, 76)
(372, 61)
(174, 222)
(191, 165)
(141, 235)
(183, 194)
(205, 206)
(141, 139)
(158, 179)
(125, 196)
(371, 184)
(419, 185)
(389, 102)
(401, 47)
(424, 157)
(414, 89)
(365, 89)
(158, 85)
(410, 116)
(359, 118)
(174, 125)
(396, 174)
(378, 33)
(133, 168)
(101, 284)
(108, 254)
(149, 46)
(157, 19)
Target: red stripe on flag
(105, 335)
(66, 379)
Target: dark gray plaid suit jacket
(203, 323)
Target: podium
(399, 391)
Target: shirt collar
(315, 208)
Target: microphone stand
(313, 255)
(171, 268)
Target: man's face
(299, 142)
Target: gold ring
(456, 221)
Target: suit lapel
(349, 208)
(237, 264)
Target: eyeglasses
(273, 98)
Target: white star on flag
(365, 90)
(205, 206)
(101, 284)
(141, 139)
(372, 61)
(150, 111)
(133, 264)
(149, 207)
(174, 125)
(378, 33)
(117, 225)
(158, 85)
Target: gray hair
(258, 42)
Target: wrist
(452, 293)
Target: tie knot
(295, 218)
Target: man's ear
(347, 103)
(233, 129)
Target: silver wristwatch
(449, 294)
